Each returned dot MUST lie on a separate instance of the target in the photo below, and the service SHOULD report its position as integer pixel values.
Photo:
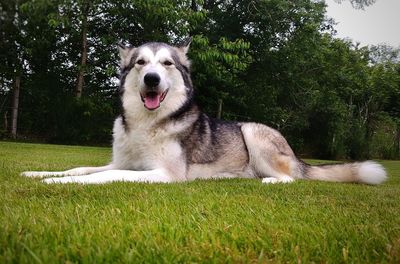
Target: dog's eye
(141, 62)
(167, 63)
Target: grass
(217, 221)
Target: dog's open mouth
(152, 100)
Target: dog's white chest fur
(142, 148)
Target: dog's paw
(272, 180)
(33, 174)
(59, 180)
(286, 179)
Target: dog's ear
(184, 46)
(125, 52)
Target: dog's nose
(152, 79)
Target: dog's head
(155, 73)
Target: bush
(384, 142)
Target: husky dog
(163, 137)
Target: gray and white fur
(162, 136)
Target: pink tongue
(152, 102)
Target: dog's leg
(269, 154)
(152, 176)
(72, 172)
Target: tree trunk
(398, 140)
(15, 103)
(194, 30)
(84, 52)
(5, 124)
(219, 113)
(193, 6)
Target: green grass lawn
(214, 221)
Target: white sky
(376, 24)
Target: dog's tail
(367, 172)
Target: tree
(13, 60)
(359, 4)
(272, 61)
(85, 9)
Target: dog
(161, 135)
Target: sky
(376, 24)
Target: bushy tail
(368, 172)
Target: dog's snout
(152, 79)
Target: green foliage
(359, 4)
(384, 140)
(271, 61)
(224, 60)
(212, 221)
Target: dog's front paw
(59, 180)
(33, 174)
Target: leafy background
(271, 61)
